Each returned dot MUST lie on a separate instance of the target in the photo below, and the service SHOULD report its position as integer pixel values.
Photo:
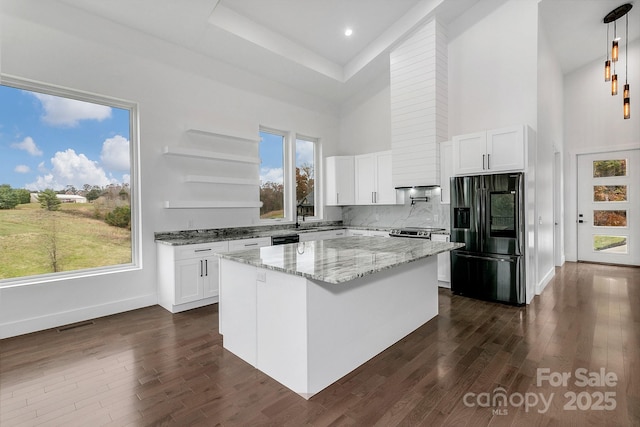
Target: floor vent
(75, 325)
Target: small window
(607, 168)
(305, 177)
(272, 173)
(616, 218)
(610, 244)
(609, 193)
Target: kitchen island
(308, 313)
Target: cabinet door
(243, 244)
(340, 181)
(210, 277)
(189, 281)
(385, 193)
(446, 170)
(469, 153)
(505, 149)
(365, 166)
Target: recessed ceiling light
(348, 32)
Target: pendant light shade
(627, 102)
(613, 16)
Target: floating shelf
(207, 179)
(205, 154)
(173, 204)
(226, 135)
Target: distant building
(64, 198)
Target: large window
(67, 183)
(288, 189)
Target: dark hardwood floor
(149, 367)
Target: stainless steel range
(415, 232)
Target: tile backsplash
(420, 214)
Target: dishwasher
(283, 240)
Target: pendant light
(626, 106)
(613, 16)
(607, 63)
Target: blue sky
(271, 156)
(52, 142)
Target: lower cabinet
(188, 275)
(322, 235)
(244, 244)
(370, 233)
(444, 262)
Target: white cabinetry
(444, 262)
(374, 179)
(188, 275)
(340, 181)
(446, 171)
(498, 150)
(371, 233)
(244, 244)
(322, 235)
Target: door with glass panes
(609, 207)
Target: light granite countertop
(340, 260)
(193, 237)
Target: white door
(365, 179)
(609, 207)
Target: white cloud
(304, 152)
(42, 168)
(22, 169)
(69, 168)
(271, 175)
(115, 153)
(126, 178)
(28, 145)
(67, 112)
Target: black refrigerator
(487, 215)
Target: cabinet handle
(200, 268)
(337, 198)
(488, 161)
(483, 162)
(372, 200)
(375, 197)
(250, 244)
(202, 250)
(206, 267)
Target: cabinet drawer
(242, 244)
(200, 250)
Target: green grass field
(27, 234)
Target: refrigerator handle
(483, 162)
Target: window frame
(289, 176)
(134, 180)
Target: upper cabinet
(419, 106)
(492, 151)
(340, 181)
(373, 179)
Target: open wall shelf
(199, 204)
(205, 154)
(207, 179)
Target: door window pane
(606, 168)
(305, 178)
(502, 212)
(610, 218)
(609, 193)
(610, 244)
(271, 175)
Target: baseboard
(34, 324)
(545, 280)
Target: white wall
(493, 70)
(549, 141)
(365, 120)
(175, 89)
(594, 123)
